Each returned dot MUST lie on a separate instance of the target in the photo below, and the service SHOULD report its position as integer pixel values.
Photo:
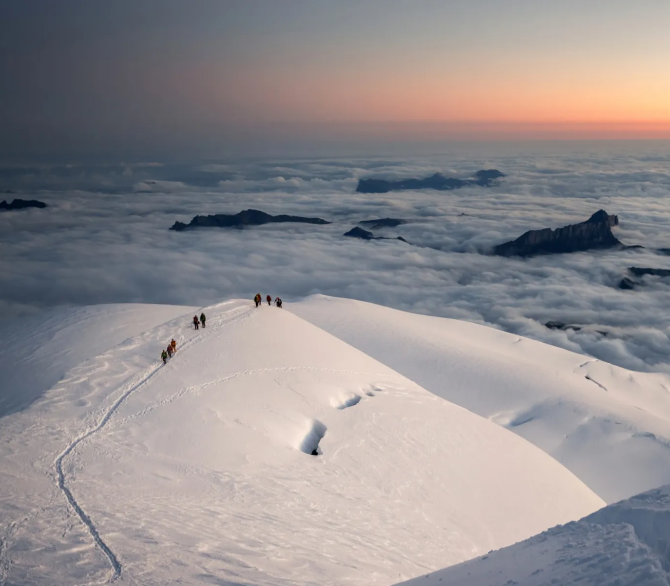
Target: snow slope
(39, 350)
(624, 544)
(608, 425)
(201, 471)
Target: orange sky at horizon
(597, 110)
(575, 68)
(623, 94)
(431, 69)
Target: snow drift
(623, 544)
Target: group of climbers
(172, 347)
(258, 300)
(170, 352)
(197, 322)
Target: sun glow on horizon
(383, 68)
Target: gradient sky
(86, 75)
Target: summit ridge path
(262, 444)
(116, 566)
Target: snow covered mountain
(608, 425)
(115, 467)
(627, 543)
(38, 350)
(201, 471)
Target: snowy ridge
(649, 515)
(608, 425)
(626, 543)
(201, 470)
(74, 393)
(43, 348)
(62, 484)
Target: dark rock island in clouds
(21, 204)
(640, 272)
(595, 233)
(125, 235)
(483, 178)
(241, 220)
(367, 235)
(627, 283)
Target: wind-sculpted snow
(105, 238)
(625, 544)
(46, 346)
(609, 426)
(62, 481)
(265, 452)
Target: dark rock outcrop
(595, 233)
(383, 223)
(241, 220)
(487, 177)
(367, 235)
(360, 233)
(627, 284)
(21, 204)
(640, 272)
(559, 325)
(483, 178)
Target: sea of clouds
(104, 238)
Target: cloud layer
(105, 238)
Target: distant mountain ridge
(21, 204)
(628, 284)
(362, 234)
(241, 220)
(483, 178)
(594, 233)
